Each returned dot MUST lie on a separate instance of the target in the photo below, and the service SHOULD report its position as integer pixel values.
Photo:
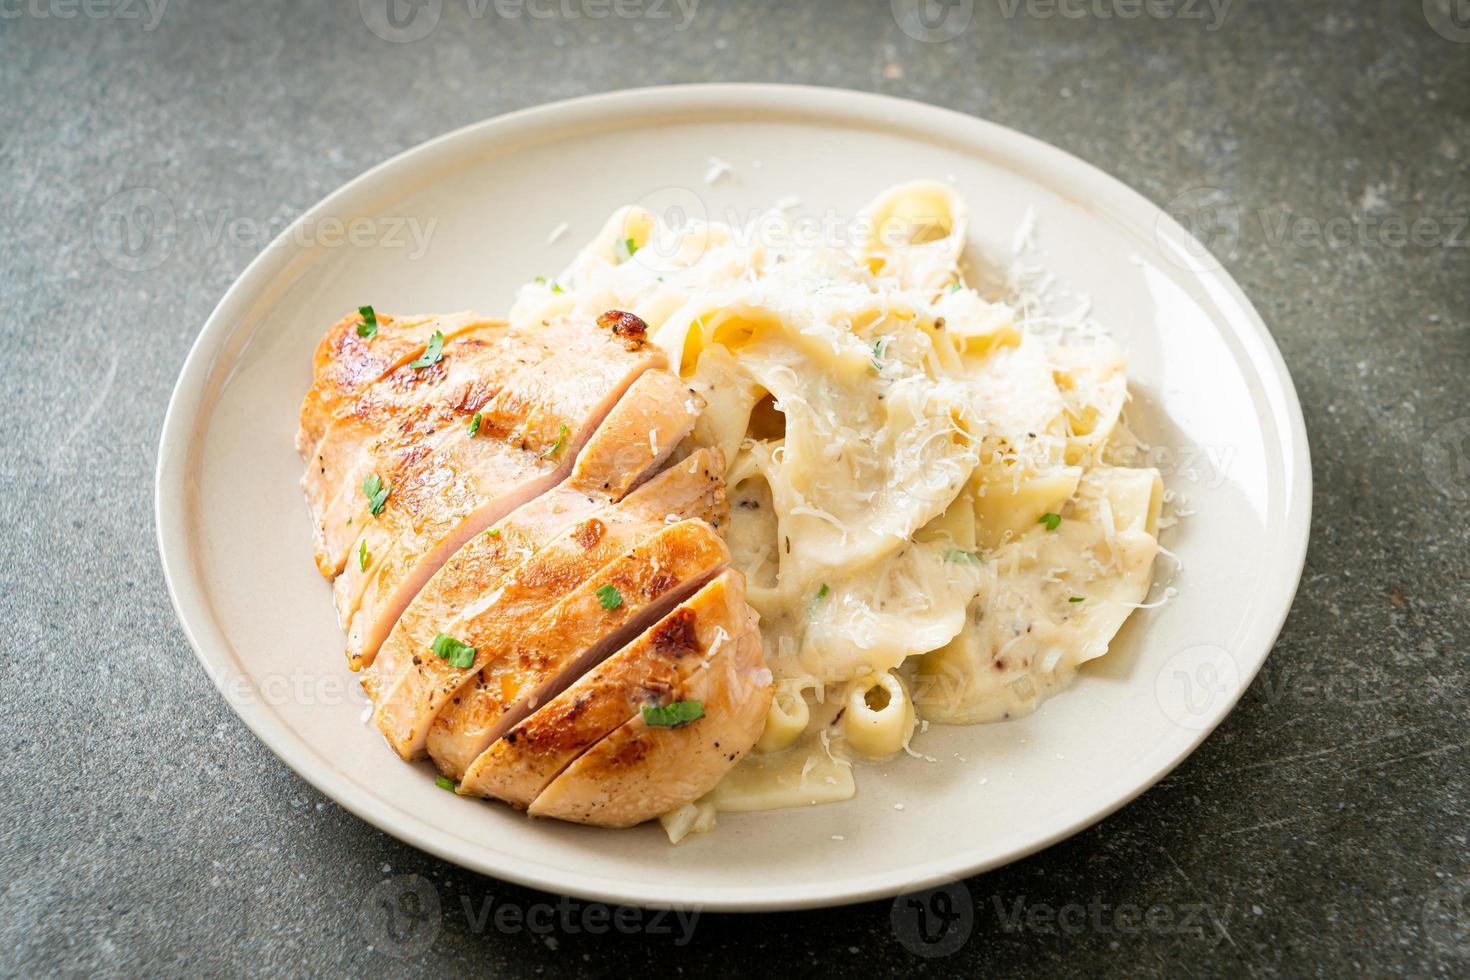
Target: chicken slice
(535, 657)
(615, 459)
(640, 771)
(518, 766)
(345, 364)
(440, 497)
(408, 409)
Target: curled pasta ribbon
(879, 715)
(787, 718)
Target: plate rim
(172, 496)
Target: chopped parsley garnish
(368, 328)
(672, 715)
(433, 350)
(608, 597)
(1078, 598)
(444, 782)
(962, 557)
(376, 492)
(822, 592)
(561, 441)
(456, 653)
(474, 424)
(556, 287)
(1052, 521)
(362, 556)
(878, 355)
(493, 532)
(625, 250)
(954, 287)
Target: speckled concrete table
(1321, 829)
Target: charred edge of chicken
(629, 327)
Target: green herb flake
(1052, 521)
(368, 328)
(376, 492)
(1078, 598)
(474, 425)
(954, 287)
(878, 355)
(433, 351)
(540, 280)
(822, 592)
(608, 597)
(556, 288)
(458, 654)
(559, 445)
(961, 557)
(444, 782)
(494, 532)
(362, 556)
(625, 250)
(672, 715)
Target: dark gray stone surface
(1321, 830)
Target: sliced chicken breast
(538, 656)
(410, 409)
(345, 363)
(615, 459)
(439, 498)
(648, 671)
(642, 770)
(411, 688)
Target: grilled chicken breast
(346, 363)
(614, 602)
(700, 635)
(407, 411)
(530, 433)
(521, 572)
(641, 770)
(486, 593)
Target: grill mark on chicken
(411, 704)
(588, 533)
(676, 635)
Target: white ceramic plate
(1209, 388)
